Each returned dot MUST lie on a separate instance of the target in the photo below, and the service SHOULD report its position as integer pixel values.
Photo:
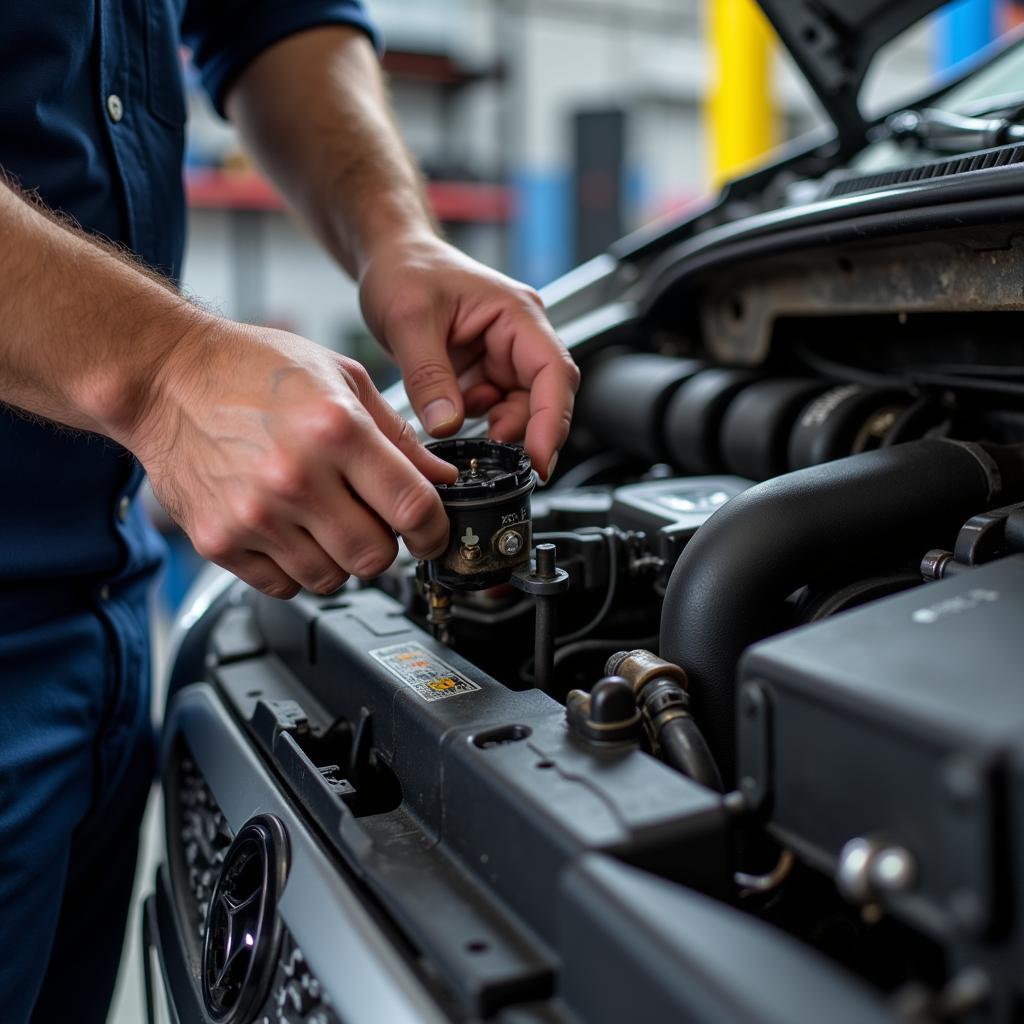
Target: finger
(399, 432)
(524, 352)
(264, 574)
(353, 536)
(399, 493)
(466, 355)
(552, 393)
(421, 348)
(269, 526)
(508, 419)
(471, 373)
(393, 484)
(481, 398)
(479, 393)
(299, 554)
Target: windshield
(999, 85)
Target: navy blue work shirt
(92, 117)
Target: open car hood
(833, 43)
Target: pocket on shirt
(166, 90)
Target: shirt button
(104, 592)
(115, 108)
(123, 507)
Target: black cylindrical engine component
(693, 419)
(757, 425)
(845, 420)
(622, 400)
(731, 580)
(489, 511)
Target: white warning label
(425, 673)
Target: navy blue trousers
(76, 768)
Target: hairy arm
(278, 457)
(85, 330)
(468, 340)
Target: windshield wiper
(943, 132)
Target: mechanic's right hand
(282, 462)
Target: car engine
(723, 724)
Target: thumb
(400, 433)
(430, 381)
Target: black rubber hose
(684, 748)
(728, 587)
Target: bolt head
(853, 874)
(510, 543)
(869, 867)
(892, 869)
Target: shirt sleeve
(225, 35)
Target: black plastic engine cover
(903, 720)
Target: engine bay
(742, 685)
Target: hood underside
(833, 43)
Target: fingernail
(438, 413)
(551, 468)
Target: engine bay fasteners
(870, 868)
(510, 543)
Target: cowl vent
(1001, 156)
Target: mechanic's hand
(282, 462)
(470, 341)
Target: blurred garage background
(546, 128)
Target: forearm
(85, 331)
(314, 112)
(468, 340)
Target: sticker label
(424, 673)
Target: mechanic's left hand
(470, 341)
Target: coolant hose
(728, 587)
(683, 747)
(661, 694)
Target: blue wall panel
(541, 235)
(964, 28)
